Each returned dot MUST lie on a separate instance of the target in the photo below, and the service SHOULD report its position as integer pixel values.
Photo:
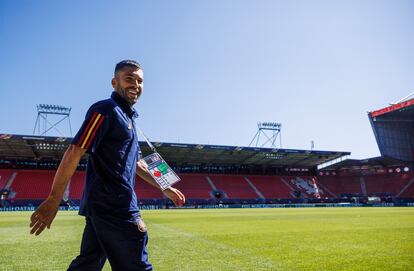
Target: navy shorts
(122, 242)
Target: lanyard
(146, 139)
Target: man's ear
(113, 82)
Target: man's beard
(124, 94)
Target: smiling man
(114, 229)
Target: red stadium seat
(36, 184)
(341, 184)
(77, 183)
(271, 186)
(390, 183)
(32, 184)
(4, 176)
(235, 187)
(194, 186)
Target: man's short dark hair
(126, 63)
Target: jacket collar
(124, 105)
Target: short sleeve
(93, 129)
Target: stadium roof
(402, 109)
(393, 128)
(21, 147)
(380, 161)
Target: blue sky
(213, 69)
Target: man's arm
(46, 212)
(172, 193)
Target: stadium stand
(304, 185)
(235, 187)
(32, 184)
(342, 185)
(408, 190)
(5, 174)
(76, 185)
(214, 173)
(272, 187)
(146, 191)
(394, 130)
(382, 184)
(195, 186)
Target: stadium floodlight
(53, 109)
(45, 110)
(269, 125)
(270, 130)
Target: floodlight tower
(270, 130)
(45, 110)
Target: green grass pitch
(234, 239)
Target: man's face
(129, 84)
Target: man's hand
(44, 215)
(172, 193)
(46, 212)
(175, 195)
